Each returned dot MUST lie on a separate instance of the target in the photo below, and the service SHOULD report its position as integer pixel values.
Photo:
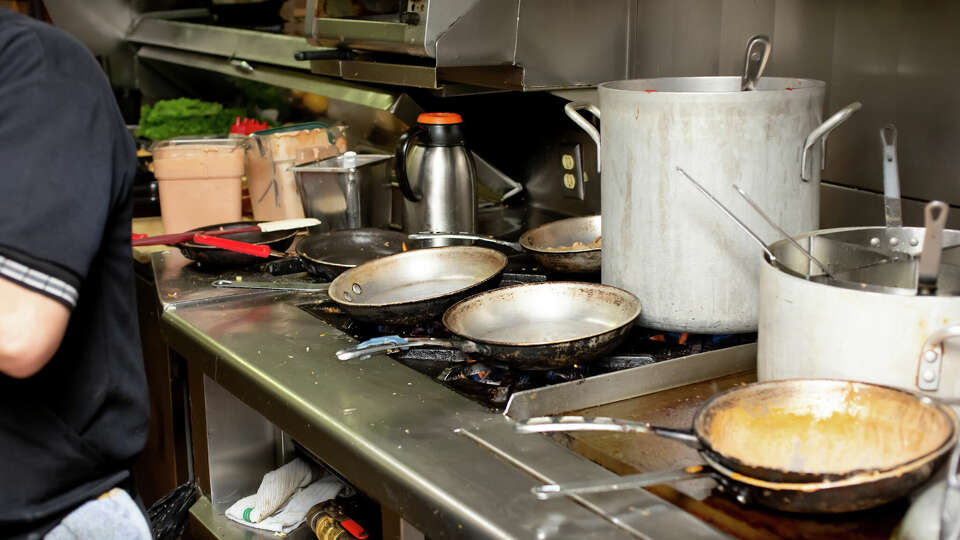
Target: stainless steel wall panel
(739, 21)
(572, 42)
(866, 44)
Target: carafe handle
(401, 158)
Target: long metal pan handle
(545, 424)
(891, 177)
(632, 481)
(931, 357)
(466, 236)
(732, 216)
(928, 269)
(292, 287)
(785, 234)
(819, 134)
(571, 111)
(391, 343)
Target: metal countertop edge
(426, 491)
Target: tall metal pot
(878, 334)
(691, 267)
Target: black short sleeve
(59, 161)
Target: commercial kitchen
(547, 238)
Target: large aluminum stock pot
(872, 327)
(690, 266)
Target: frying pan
(326, 255)
(551, 244)
(532, 326)
(806, 445)
(209, 257)
(405, 288)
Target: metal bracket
(930, 364)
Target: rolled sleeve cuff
(41, 282)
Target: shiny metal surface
(249, 45)
(630, 383)
(349, 191)
(554, 244)
(928, 267)
(542, 313)
(668, 245)
(872, 333)
(473, 41)
(399, 436)
(893, 213)
(418, 275)
(445, 178)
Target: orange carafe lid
(439, 118)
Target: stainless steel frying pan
(405, 288)
(565, 245)
(806, 445)
(532, 326)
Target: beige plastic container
(199, 181)
(271, 156)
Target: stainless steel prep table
(446, 465)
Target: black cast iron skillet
(209, 257)
(805, 445)
(326, 255)
(533, 326)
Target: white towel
(291, 514)
(277, 486)
(112, 516)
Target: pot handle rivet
(930, 365)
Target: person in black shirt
(73, 395)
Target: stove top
(493, 385)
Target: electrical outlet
(571, 166)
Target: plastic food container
(271, 156)
(199, 181)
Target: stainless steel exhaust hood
(503, 44)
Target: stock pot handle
(819, 134)
(571, 110)
(930, 364)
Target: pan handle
(930, 364)
(466, 236)
(570, 109)
(544, 424)
(384, 344)
(630, 481)
(819, 135)
(267, 285)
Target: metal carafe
(437, 176)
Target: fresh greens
(184, 116)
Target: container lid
(288, 129)
(199, 141)
(346, 162)
(436, 118)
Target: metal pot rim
(526, 242)
(847, 478)
(874, 289)
(783, 85)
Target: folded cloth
(113, 515)
(291, 514)
(277, 486)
